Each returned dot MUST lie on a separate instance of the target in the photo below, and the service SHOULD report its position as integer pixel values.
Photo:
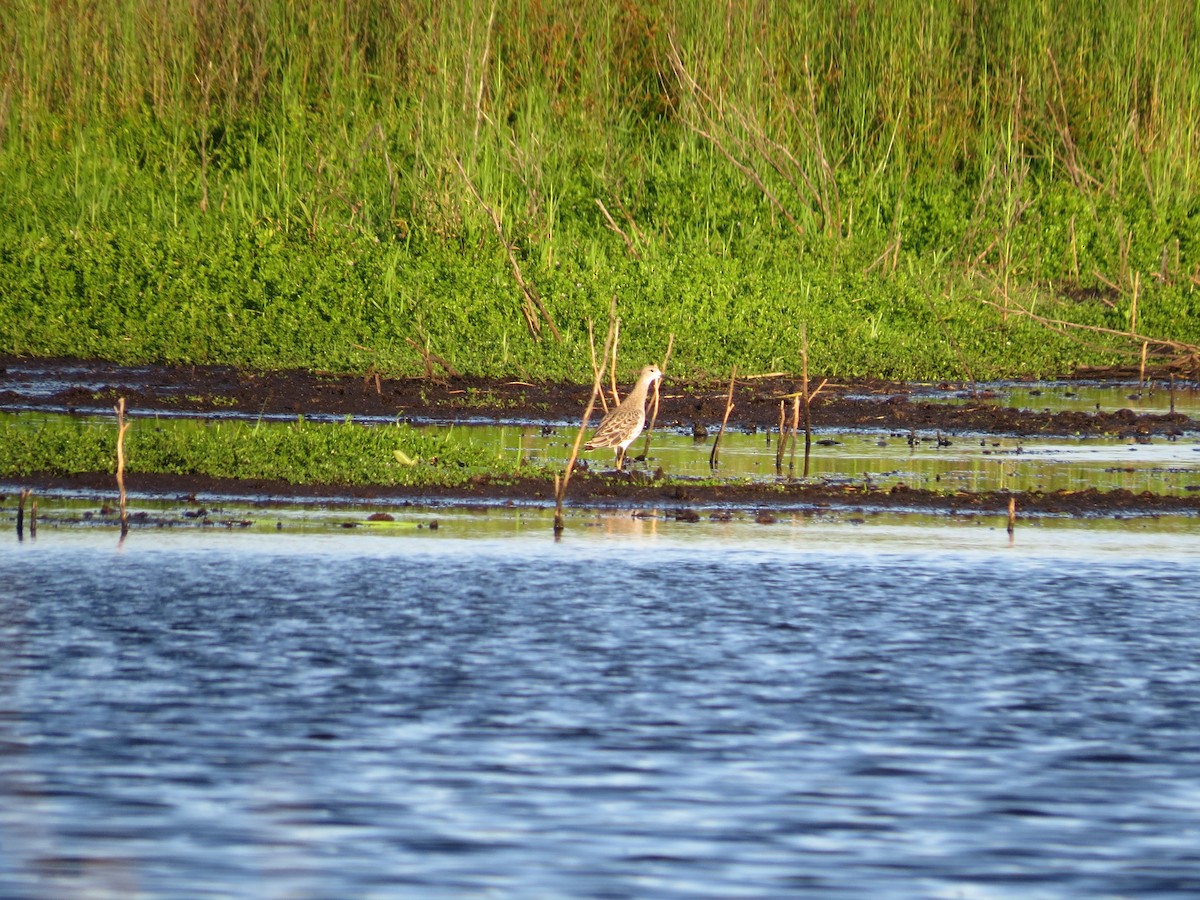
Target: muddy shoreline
(81, 386)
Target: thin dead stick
(533, 303)
(1097, 329)
(560, 486)
(483, 65)
(1142, 370)
(122, 427)
(613, 226)
(782, 443)
(785, 432)
(33, 518)
(1133, 310)
(24, 495)
(808, 422)
(1012, 516)
(1111, 285)
(615, 325)
(654, 407)
(702, 103)
(428, 358)
(595, 365)
(806, 398)
(714, 455)
(795, 428)
(373, 373)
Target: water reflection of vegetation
(1155, 398)
(964, 463)
(871, 530)
(304, 452)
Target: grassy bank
(341, 185)
(298, 452)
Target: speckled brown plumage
(623, 424)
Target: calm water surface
(847, 711)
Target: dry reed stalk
(33, 518)
(483, 68)
(428, 358)
(373, 374)
(703, 101)
(654, 407)
(714, 455)
(532, 305)
(1142, 369)
(1062, 325)
(1012, 515)
(205, 107)
(889, 259)
(804, 388)
(595, 365)
(801, 411)
(615, 325)
(795, 429)
(613, 226)
(560, 486)
(1074, 251)
(1133, 304)
(782, 442)
(122, 427)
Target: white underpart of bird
(623, 424)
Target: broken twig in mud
(22, 497)
(781, 444)
(714, 455)
(122, 427)
(428, 358)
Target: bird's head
(651, 374)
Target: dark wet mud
(83, 387)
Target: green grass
(278, 184)
(299, 452)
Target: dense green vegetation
(299, 452)
(314, 183)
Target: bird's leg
(620, 458)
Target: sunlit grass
(298, 452)
(279, 184)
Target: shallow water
(1155, 398)
(645, 708)
(967, 462)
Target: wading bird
(623, 424)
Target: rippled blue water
(362, 716)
